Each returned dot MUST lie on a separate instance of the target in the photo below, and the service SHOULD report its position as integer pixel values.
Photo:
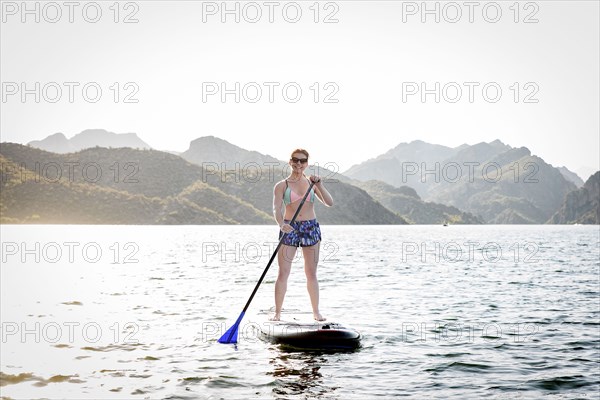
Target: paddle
(232, 333)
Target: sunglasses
(300, 160)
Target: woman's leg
(285, 256)
(311, 260)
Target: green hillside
(28, 198)
(406, 202)
(130, 186)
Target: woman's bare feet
(318, 317)
(275, 317)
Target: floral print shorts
(305, 233)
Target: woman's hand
(286, 228)
(316, 179)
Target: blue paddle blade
(230, 336)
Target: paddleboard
(305, 335)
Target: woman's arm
(278, 206)
(323, 194)
(278, 203)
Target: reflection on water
(299, 373)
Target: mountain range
(498, 183)
(131, 186)
(58, 143)
(217, 182)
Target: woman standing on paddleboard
(304, 232)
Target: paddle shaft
(277, 249)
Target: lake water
(115, 312)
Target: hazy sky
(371, 61)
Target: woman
(304, 232)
